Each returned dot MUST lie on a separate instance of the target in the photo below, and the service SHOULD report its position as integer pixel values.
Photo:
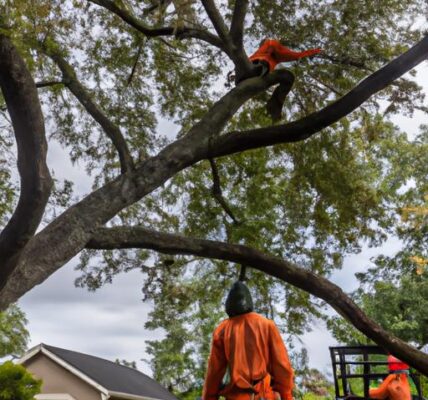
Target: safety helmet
(394, 364)
(239, 300)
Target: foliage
(13, 332)
(311, 384)
(311, 203)
(126, 363)
(16, 383)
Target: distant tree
(126, 363)
(13, 332)
(16, 383)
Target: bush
(16, 383)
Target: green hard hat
(239, 300)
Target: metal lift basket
(356, 362)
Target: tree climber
(266, 58)
(248, 359)
(396, 385)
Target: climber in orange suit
(248, 359)
(265, 59)
(396, 385)
(272, 52)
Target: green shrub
(16, 383)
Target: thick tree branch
(139, 237)
(233, 44)
(20, 94)
(85, 98)
(237, 25)
(304, 128)
(182, 32)
(68, 234)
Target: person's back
(396, 385)
(250, 348)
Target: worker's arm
(217, 365)
(382, 392)
(283, 53)
(280, 367)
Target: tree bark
(138, 237)
(20, 94)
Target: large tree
(289, 200)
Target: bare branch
(346, 61)
(44, 84)
(218, 193)
(139, 237)
(304, 128)
(139, 25)
(217, 21)
(84, 97)
(20, 94)
(134, 66)
(237, 25)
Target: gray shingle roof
(112, 376)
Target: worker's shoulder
(259, 318)
(220, 327)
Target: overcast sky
(110, 322)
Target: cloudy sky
(110, 322)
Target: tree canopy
(290, 200)
(14, 335)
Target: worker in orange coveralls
(396, 385)
(248, 349)
(272, 52)
(266, 58)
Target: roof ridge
(46, 346)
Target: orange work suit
(273, 53)
(251, 348)
(394, 387)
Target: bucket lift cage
(344, 357)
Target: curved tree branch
(68, 234)
(84, 97)
(139, 237)
(304, 128)
(20, 94)
(182, 32)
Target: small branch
(217, 21)
(134, 66)
(20, 94)
(139, 25)
(218, 194)
(325, 84)
(139, 237)
(346, 61)
(44, 84)
(84, 97)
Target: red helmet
(394, 364)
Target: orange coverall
(273, 52)
(394, 387)
(250, 347)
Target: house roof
(115, 378)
